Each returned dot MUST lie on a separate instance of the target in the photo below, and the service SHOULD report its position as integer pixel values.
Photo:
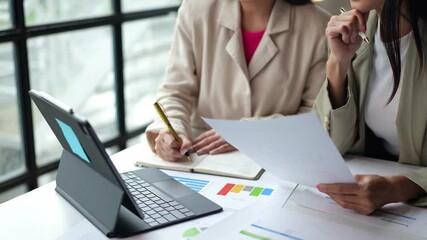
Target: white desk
(44, 214)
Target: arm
(342, 34)
(336, 103)
(315, 76)
(180, 91)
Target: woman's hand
(168, 148)
(372, 192)
(210, 142)
(342, 33)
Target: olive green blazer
(346, 125)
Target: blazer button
(326, 123)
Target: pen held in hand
(165, 120)
(361, 34)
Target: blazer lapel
(230, 19)
(235, 49)
(265, 51)
(279, 22)
(363, 60)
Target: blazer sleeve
(420, 178)
(179, 92)
(315, 76)
(341, 123)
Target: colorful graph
(239, 188)
(195, 184)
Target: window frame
(19, 34)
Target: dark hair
(297, 2)
(390, 15)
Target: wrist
(337, 81)
(404, 189)
(337, 69)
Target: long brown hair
(390, 16)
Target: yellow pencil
(165, 119)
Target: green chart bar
(254, 236)
(256, 191)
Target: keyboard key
(161, 220)
(177, 214)
(153, 224)
(189, 214)
(150, 212)
(148, 219)
(153, 205)
(184, 210)
(163, 212)
(169, 209)
(170, 217)
(164, 205)
(179, 206)
(158, 209)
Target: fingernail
(319, 187)
(200, 153)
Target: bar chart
(250, 190)
(196, 184)
(232, 194)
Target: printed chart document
(295, 148)
(395, 216)
(272, 223)
(232, 164)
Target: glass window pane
(50, 11)
(76, 68)
(47, 178)
(5, 14)
(13, 193)
(138, 5)
(146, 51)
(11, 157)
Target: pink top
(250, 43)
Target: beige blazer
(347, 124)
(208, 76)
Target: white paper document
(396, 216)
(295, 148)
(272, 223)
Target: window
(11, 162)
(146, 50)
(136, 5)
(89, 54)
(4, 14)
(77, 68)
(50, 11)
